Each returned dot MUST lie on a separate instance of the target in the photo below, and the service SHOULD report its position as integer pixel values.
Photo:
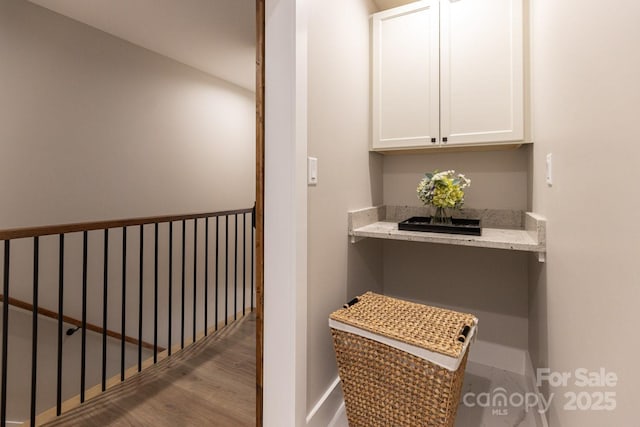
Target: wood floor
(210, 383)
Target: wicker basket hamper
(400, 363)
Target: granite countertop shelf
(501, 229)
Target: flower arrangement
(443, 190)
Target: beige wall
(492, 284)
(93, 127)
(349, 177)
(498, 178)
(584, 300)
(580, 303)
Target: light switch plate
(549, 175)
(312, 170)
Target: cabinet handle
(444, 139)
(433, 140)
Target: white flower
(444, 187)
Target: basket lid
(431, 328)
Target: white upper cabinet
(448, 72)
(406, 99)
(481, 88)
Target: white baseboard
(328, 406)
(530, 374)
(499, 356)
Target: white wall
(584, 300)
(489, 283)
(493, 284)
(499, 178)
(349, 178)
(93, 127)
(285, 213)
(317, 90)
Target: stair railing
(205, 245)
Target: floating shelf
(375, 223)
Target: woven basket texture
(432, 328)
(386, 387)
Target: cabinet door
(481, 79)
(405, 76)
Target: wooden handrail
(75, 322)
(47, 230)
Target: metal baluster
(60, 317)
(235, 269)
(244, 262)
(83, 357)
(105, 294)
(226, 269)
(206, 274)
(170, 286)
(140, 297)
(124, 301)
(5, 333)
(217, 262)
(253, 262)
(195, 267)
(184, 227)
(155, 295)
(34, 333)
(83, 350)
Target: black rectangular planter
(457, 226)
